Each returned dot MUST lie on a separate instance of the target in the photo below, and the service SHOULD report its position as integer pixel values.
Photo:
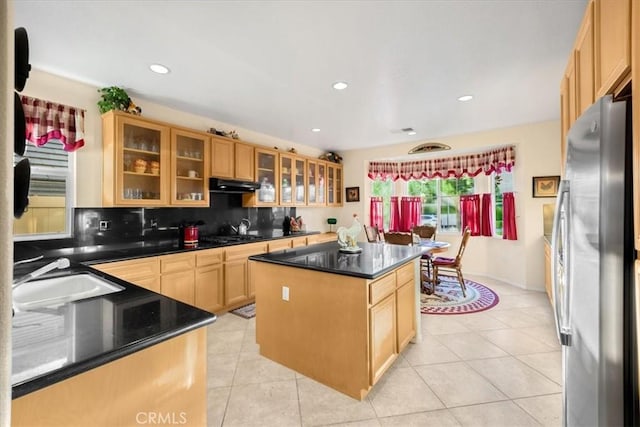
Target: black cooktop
(224, 239)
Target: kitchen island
(339, 318)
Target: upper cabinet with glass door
(316, 179)
(136, 161)
(334, 184)
(189, 168)
(292, 182)
(267, 174)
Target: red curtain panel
(375, 213)
(394, 219)
(509, 231)
(470, 213)
(410, 208)
(485, 215)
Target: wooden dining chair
(452, 264)
(372, 233)
(398, 238)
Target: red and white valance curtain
(491, 161)
(47, 121)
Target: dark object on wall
(22, 67)
(353, 194)
(19, 126)
(22, 170)
(286, 226)
(545, 186)
(21, 178)
(232, 185)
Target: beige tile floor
(500, 367)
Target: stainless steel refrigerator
(592, 262)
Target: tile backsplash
(109, 225)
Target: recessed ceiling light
(159, 68)
(315, 130)
(413, 132)
(465, 98)
(340, 85)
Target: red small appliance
(190, 236)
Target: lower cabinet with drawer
(209, 291)
(237, 287)
(144, 272)
(177, 277)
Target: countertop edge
(46, 380)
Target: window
(49, 214)
(500, 184)
(384, 189)
(441, 200)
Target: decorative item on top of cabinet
(127, 142)
(189, 168)
(268, 175)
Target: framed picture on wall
(353, 194)
(545, 186)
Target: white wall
(518, 262)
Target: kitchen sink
(59, 290)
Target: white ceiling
(268, 66)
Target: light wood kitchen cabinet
(189, 168)
(297, 242)
(231, 159)
(267, 174)
(405, 305)
(279, 245)
(612, 44)
(382, 323)
(136, 170)
(292, 178)
(167, 379)
(209, 289)
(334, 184)
(585, 65)
(321, 238)
(177, 277)
(144, 272)
(567, 108)
(222, 157)
(244, 166)
(316, 179)
(236, 273)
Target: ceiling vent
(429, 147)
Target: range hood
(223, 185)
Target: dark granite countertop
(50, 344)
(375, 259)
(94, 254)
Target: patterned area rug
(448, 298)
(246, 311)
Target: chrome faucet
(59, 264)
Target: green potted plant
(113, 98)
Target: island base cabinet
(163, 384)
(339, 330)
(405, 316)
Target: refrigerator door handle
(559, 261)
